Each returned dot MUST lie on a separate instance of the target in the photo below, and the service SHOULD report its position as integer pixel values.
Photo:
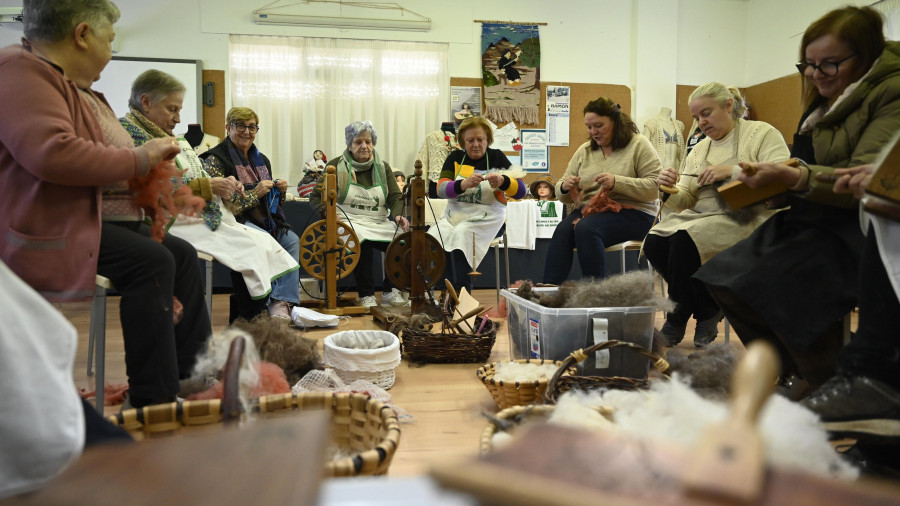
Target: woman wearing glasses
(795, 277)
(259, 206)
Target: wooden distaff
(730, 461)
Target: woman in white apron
(477, 193)
(156, 99)
(702, 225)
(370, 201)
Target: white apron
(254, 253)
(473, 218)
(366, 208)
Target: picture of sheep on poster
(511, 72)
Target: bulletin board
(581, 94)
(116, 80)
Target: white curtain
(306, 90)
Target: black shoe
(856, 405)
(707, 330)
(673, 332)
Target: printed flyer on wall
(535, 152)
(557, 115)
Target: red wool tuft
(154, 194)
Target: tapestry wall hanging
(511, 72)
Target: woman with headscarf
(154, 111)
(371, 202)
(258, 206)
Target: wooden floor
(444, 402)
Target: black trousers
(875, 349)
(816, 364)
(147, 274)
(676, 258)
(365, 282)
(457, 270)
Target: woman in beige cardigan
(703, 225)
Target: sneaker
(707, 330)
(389, 298)
(856, 405)
(673, 333)
(395, 298)
(280, 309)
(368, 302)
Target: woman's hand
(667, 177)
(768, 173)
(164, 148)
(605, 180)
(402, 222)
(263, 187)
(281, 184)
(495, 179)
(225, 187)
(854, 180)
(714, 173)
(569, 182)
(471, 182)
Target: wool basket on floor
(342, 352)
(516, 393)
(447, 347)
(363, 429)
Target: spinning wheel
(398, 261)
(313, 250)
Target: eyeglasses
(241, 127)
(828, 68)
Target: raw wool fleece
(278, 344)
(211, 363)
(672, 412)
(523, 373)
(708, 371)
(623, 290)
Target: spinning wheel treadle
(312, 250)
(398, 261)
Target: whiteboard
(116, 79)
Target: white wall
(648, 45)
(774, 29)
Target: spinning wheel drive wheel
(398, 261)
(312, 250)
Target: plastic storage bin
(549, 333)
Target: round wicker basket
(366, 429)
(517, 393)
(519, 414)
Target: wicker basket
(561, 381)
(449, 348)
(518, 414)
(518, 393)
(359, 425)
(374, 365)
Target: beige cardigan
(703, 218)
(635, 167)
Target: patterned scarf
(346, 173)
(142, 129)
(251, 172)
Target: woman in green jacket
(794, 279)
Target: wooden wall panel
(581, 94)
(682, 93)
(777, 102)
(214, 117)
